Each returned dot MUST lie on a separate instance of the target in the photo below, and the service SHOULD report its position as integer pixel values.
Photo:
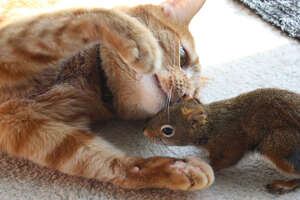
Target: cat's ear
(182, 11)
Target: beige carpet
(239, 53)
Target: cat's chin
(142, 100)
(158, 84)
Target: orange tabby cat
(62, 71)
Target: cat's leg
(28, 134)
(280, 148)
(162, 172)
(29, 45)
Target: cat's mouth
(159, 85)
(173, 99)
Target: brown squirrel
(264, 121)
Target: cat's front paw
(175, 174)
(199, 172)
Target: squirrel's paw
(281, 187)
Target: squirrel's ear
(198, 119)
(196, 114)
(186, 111)
(182, 11)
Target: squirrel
(265, 121)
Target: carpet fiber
(284, 14)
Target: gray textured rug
(284, 14)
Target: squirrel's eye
(183, 57)
(167, 130)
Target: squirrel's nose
(145, 132)
(186, 95)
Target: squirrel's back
(273, 97)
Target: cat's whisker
(174, 57)
(169, 101)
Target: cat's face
(180, 69)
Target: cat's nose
(180, 98)
(186, 95)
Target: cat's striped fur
(47, 104)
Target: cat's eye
(183, 57)
(167, 130)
